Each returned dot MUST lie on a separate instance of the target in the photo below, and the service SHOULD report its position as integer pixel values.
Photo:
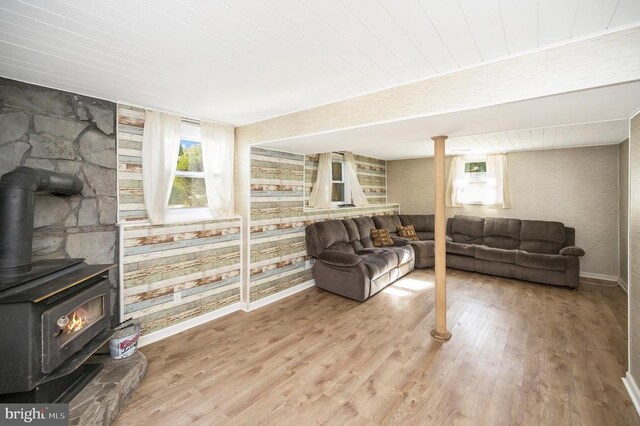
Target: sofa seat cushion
(380, 263)
(461, 249)
(404, 253)
(371, 250)
(424, 249)
(496, 254)
(553, 262)
(425, 236)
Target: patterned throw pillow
(408, 232)
(381, 237)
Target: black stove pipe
(17, 199)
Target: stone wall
(69, 133)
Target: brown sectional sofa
(348, 264)
(530, 250)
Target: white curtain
(160, 147)
(456, 183)
(357, 194)
(217, 161)
(320, 197)
(498, 196)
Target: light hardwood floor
(520, 353)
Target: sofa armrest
(339, 258)
(572, 251)
(448, 238)
(400, 241)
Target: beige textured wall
(623, 184)
(577, 186)
(634, 248)
(410, 184)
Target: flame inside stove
(78, 320)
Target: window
(339, 184)
(476, 171)
(475, 190)
(188, 190)
(479, 179)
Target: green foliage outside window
(189, 191)
(476, 167)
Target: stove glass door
(79, 319)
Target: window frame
(188, 214)
(345, 184)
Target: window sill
(187, 215)
(181, 216)
(308, 209)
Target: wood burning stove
(54, 314)
(50, 326)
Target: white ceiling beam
(604, 60)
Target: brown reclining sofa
(348, 264)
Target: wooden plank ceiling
(239, 61)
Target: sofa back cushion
(354, 235)
(569, 236)
(332, 235)
(502, 233)
(420, 222)
(541, 236)
(390, 223)
(467, 229)
(365, 225)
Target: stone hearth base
(100, 402)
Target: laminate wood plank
(521, 353)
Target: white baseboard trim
(624, 285)
(605, 277)
(280, 295)
(186, 325)
(632, 389)
(244, 306)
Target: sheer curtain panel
(455, 183)
(498, 195)
(160, 147)
(357, 194)
(217, 161)
(320, 197)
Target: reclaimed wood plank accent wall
(171, 272)
(278, 256)
(372, 175)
